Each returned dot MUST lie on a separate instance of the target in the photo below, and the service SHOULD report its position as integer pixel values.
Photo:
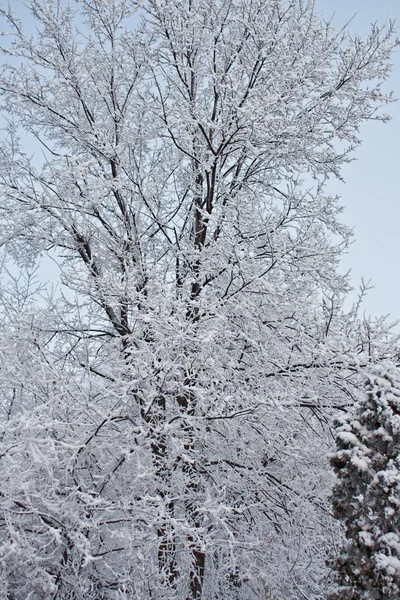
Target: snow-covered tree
(367, 495)
(165, 413)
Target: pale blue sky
(371, 194)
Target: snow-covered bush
(367, 495)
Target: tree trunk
(197, 574)
(167, 553)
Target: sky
(371, 192)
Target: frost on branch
(165, 415)
(367, 495)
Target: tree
(367, 495)
(166, 412)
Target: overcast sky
(371, 193)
